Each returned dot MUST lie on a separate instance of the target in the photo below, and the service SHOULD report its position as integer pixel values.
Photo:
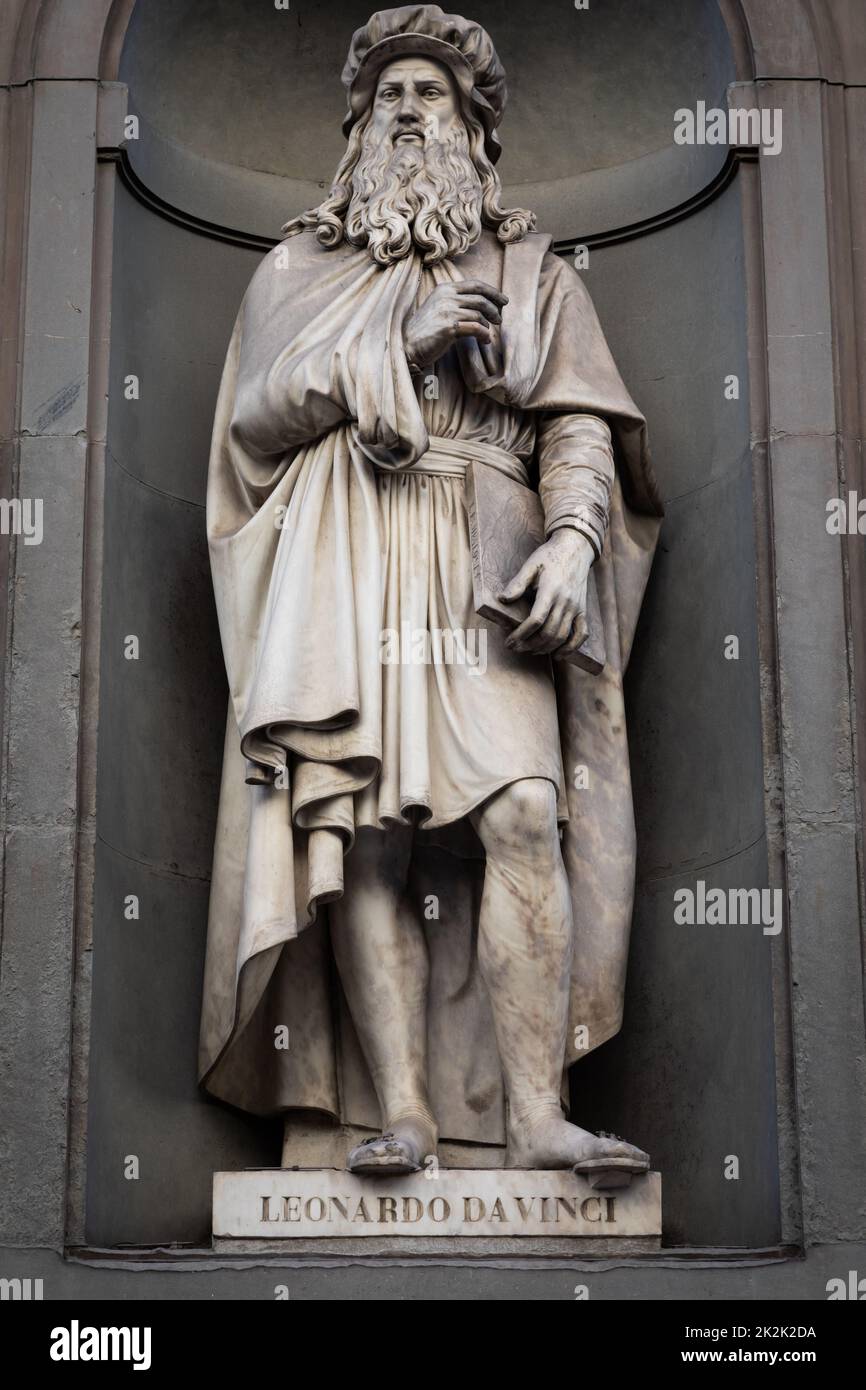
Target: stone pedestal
(475, 1210)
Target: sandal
(604, 1171)
(396, 1159)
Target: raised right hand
(460, 309)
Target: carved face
(416, 175)
(415, 184)
(416, 100)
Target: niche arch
(175, 291)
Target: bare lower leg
(382, 959)
(525, 952)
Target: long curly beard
(403, 196)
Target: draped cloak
(316, 395)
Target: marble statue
(423, 869)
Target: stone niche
(239, 106)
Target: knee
(521, 817)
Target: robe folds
(316, 408)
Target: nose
(409, 112)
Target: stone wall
(746, 773)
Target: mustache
(410, 126)
(385, 160)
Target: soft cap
(460, 43)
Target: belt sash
(448, 458)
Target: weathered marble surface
(370, 512)
(315, 1203)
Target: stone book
(506, 524)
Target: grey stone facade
(128, 257)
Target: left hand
(559, 571)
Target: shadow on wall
(240, 109)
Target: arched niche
(239, 108)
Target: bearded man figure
(423, 871)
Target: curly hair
(331, 219)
